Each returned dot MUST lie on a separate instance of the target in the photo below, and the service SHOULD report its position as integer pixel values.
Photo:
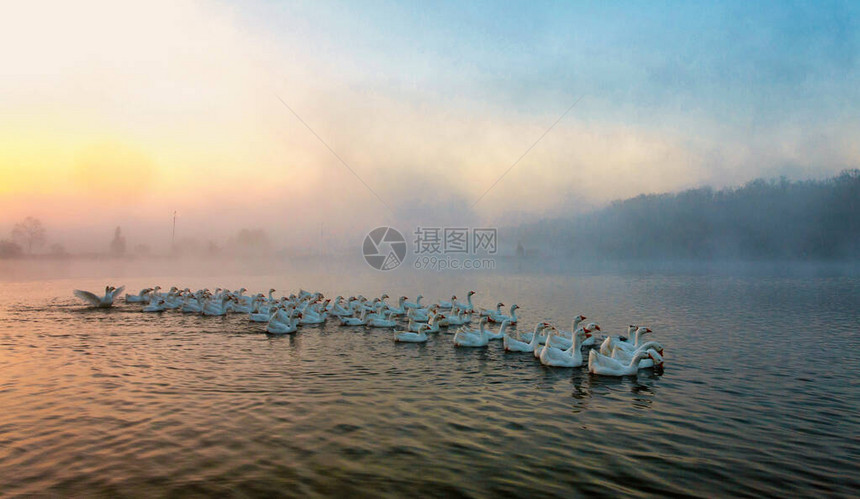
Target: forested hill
(764, 219)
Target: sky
(308, 116)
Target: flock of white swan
(412, 322)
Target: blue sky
(746, 64)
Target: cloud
(119, 113)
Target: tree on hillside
(30, 232)
(763, 219)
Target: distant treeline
(764, 219)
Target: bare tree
(30, 232)
(117, 245)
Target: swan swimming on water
(571, 357)
(410, 337)
(140, 297)
(494, 317)
(625, 344)
(607, 366)
(517, 344)
(473, 339)
(466, 307)
(285, 315)
(278, 326)
(105, 301)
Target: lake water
(759, 395)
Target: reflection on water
(758, 395)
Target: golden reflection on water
(116, 401)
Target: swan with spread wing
(95, 301)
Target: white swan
(626, 356)
(472, 339)
(502, 333)
(573, 327)
(432, 324)
(156, 305)
(417, 315)
(556, 357)
(417, 304)
(261, 316)
(410, 337)
(278, 326)
(564, 342)
(245, 306)
(105, 301)
(607, 366)
(338, 310)
(140, 297)
(155, 293)
(536, 340)
(498, 311)
(448, 304)
(501, 317)
(312, 317)
(191, 305)
(529, 336)
(625, 344)
(400, 309)
(216, 306)
(512, 344)
(355, 321)
(416, 326)
(455, 318)
(384, 322)
(173, 300)
(466, 307)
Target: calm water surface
(759, 395)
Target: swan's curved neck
(577, 340)
(638, 337)
(636, 358)
(649, 344)
(534, 342)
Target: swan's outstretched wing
(88, 297)
(117, 292)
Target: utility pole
(173, 236)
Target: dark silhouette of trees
(117, 245)
(9, 249)
(30, 232)
(250, 242)
(764, 219)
